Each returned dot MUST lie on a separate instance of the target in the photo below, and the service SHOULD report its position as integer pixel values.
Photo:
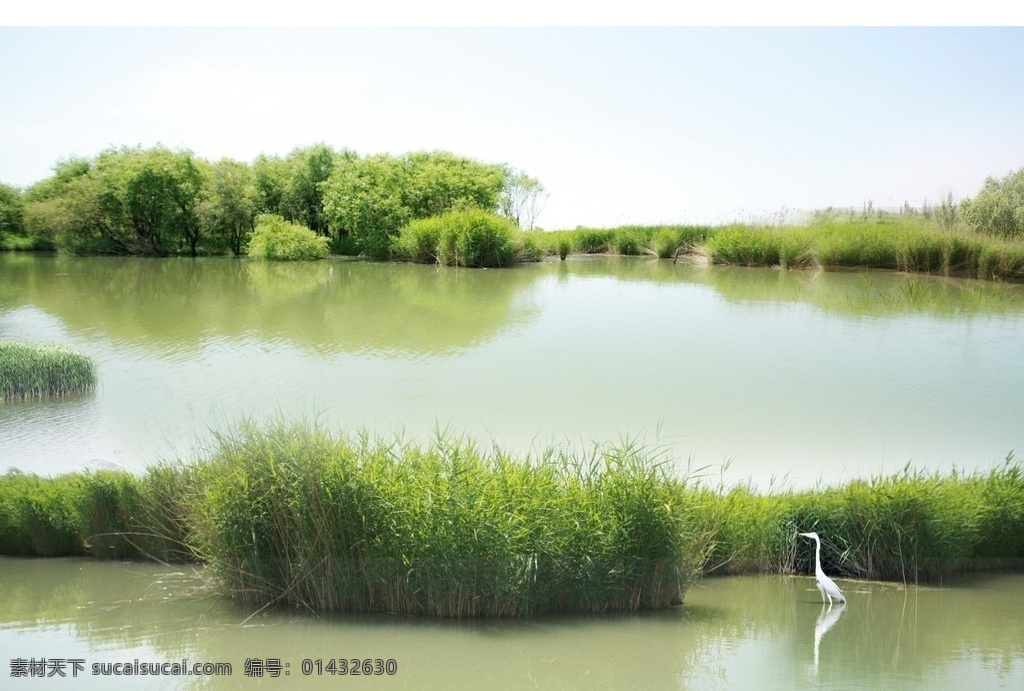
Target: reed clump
(470, 238)
(36, 370)
(292, 514)
(670, 241)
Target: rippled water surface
(731, 633)
(785, 377)
(791, 376)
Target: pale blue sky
(627, 125)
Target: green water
(758, 374)
(731, 633)
(785, 377)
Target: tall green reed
(39, 516)
(909, 526)
(470, 238)
(292, 514)
(904, 244)
(289, 513)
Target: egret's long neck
(817, 555)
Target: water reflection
(173, 308)
(804, 376)
(732, 633)
(359, 307)
(826, 620)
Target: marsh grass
(900, 242)
(470, 238)
(592, 240)
(905, 527)
(630, 241)
(106, 514)
(661, 241)
(296, 515)
(291, 514)
(753, 531)
(909, 526)
(670, 241)
(38, 516)
(36, 370)
(904, 244)
(124, 516)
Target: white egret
(826, 585)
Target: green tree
(372, 198)
(63, 173)
(129, 200)
(158, 191)
(159, 201)
(228, 210)
(12, 212)
(363, 200)
(302, 196)
(438, 182)
(72, 215)
(998, 207)
(270, 177)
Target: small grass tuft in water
(36, 370)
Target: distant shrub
(998, 207)
(276, 238)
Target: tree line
(158, 201)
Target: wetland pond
(777, 378)
(762, 632)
